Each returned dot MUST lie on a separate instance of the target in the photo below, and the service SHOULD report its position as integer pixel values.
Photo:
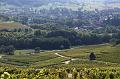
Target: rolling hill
(44, 2)
(34, 2)
(11, 26)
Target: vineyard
(62, 64)
(60, 73)
(59, 39)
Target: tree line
(59, 39)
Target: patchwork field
(105, 53)
(71, 63)
(76, 56)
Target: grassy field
(25, 58)
(11, 25)
(76, 56)
(105, 53)
(24, 64)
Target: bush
(9, 50)
(92, 56)
(37, 49)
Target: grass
(23, 52)
(49, 63)
(26, 58)
(104, 53)
(11, 25)
(106, 56)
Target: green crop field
(105, 53)
(71, 63)
(24, 58)
(76, 56)
(60, 73)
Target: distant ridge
(34, 2)
(5, 4)
(42, 2)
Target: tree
(114, 42)
(92, 56)
(9, 50)
(70, 35)
(37, 49)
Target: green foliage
(78, 57)
(39, 33)
(60, 73)
(37, 49)
(29, 41)
(92, 56)
(9, 50)
(13, 27)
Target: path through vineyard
(70, 59)
(74, 59)
(0, 56)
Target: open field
(25, 58)
(105, 53)
(77, 56)
(11, 26)
(62, 64)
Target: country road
(0, 56)
(68, 61)
(60, 55)
(65, 62)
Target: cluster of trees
(69, 17)
(31, 43)
(16, 30)
(59, 39)
(65, 17)
(115, 21)
(55, 29)
(81, 38)
(4, 18)
(9, 50)
(107, 29)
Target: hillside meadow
(71, 63)
(12, 26)
(106, 55)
